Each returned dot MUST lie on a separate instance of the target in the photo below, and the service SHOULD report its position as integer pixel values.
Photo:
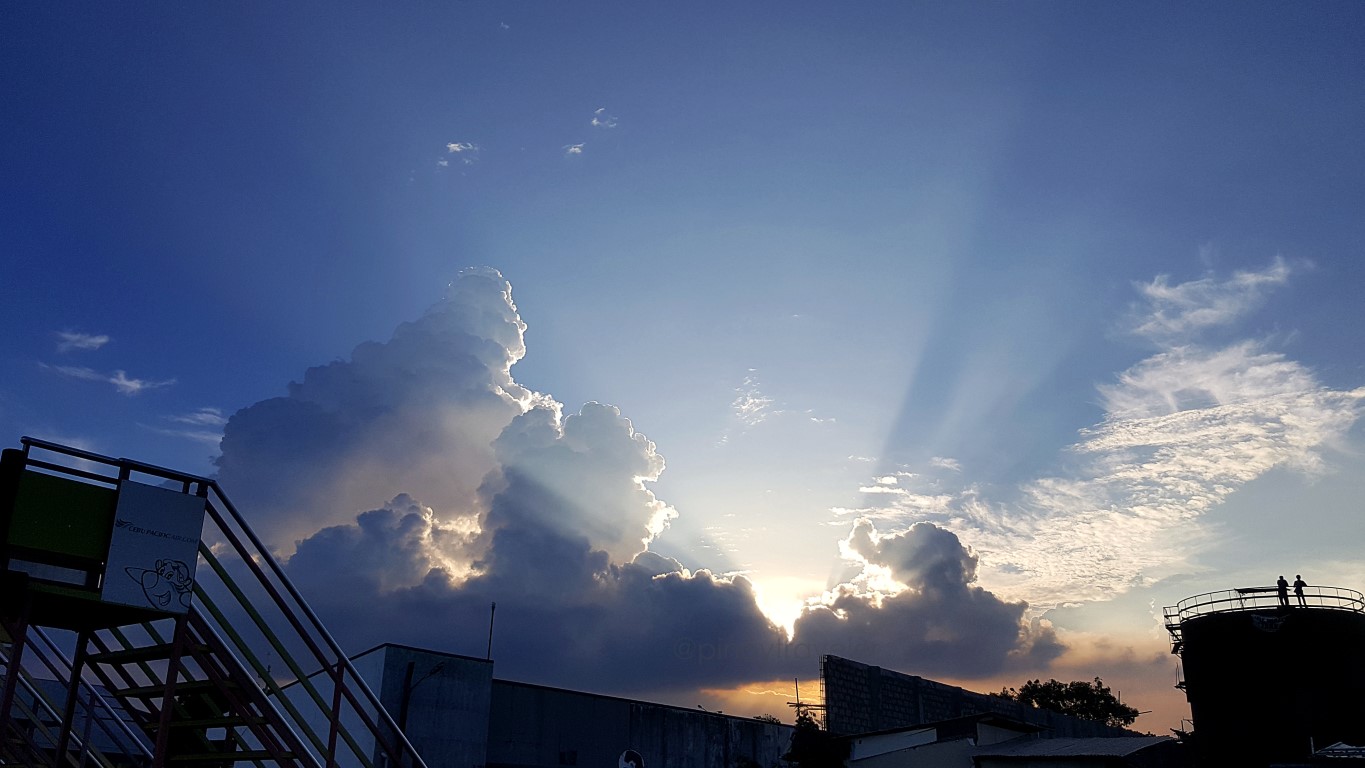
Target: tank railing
(1262, 598)
(277, 606)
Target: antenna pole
(492, 610)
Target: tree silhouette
(812, 746)
(1090, 701)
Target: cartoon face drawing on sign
(630, 759)
(169, 583)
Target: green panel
(63, 516)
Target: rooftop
(1112, 746)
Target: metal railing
(1260, 599)
(244, 600)
(39, 715)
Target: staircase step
(143, 653)
(183, 686)
(130, 655)
(218, 757)
(226, 721)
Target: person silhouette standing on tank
(1298, 589)
(1282, 587)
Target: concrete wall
(536, 727)
(448, 703)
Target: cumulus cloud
(567, 615)
(119, 379)
(1183, 429)
(581, 475)
(927, 615)
(574, 149)
(418, 413)
(68, 341)
(416, 482)
(923, 557)
(397, 545)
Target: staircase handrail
(310, 629)
(47, 707)
(92, 694)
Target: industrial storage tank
(1271, 676)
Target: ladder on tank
(189, 676)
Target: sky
(705, 339)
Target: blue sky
(1077, 283)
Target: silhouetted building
(457, 716)
(1269, 683)
(860, 698)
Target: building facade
(456, 715)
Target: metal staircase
(223, 664)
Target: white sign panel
(154, 549)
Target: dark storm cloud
(566, 615)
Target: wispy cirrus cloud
(574, 149)
(204, 425)
(466, 152)
(753, 407)
(600, 118)
(68, 341)
(1182, 309)
(118, 378)
(1190, 378)
(1183, 430)
(945, 462)
(204, 436)
(750, 405)
(209, 417)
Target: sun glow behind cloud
(783, 598)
